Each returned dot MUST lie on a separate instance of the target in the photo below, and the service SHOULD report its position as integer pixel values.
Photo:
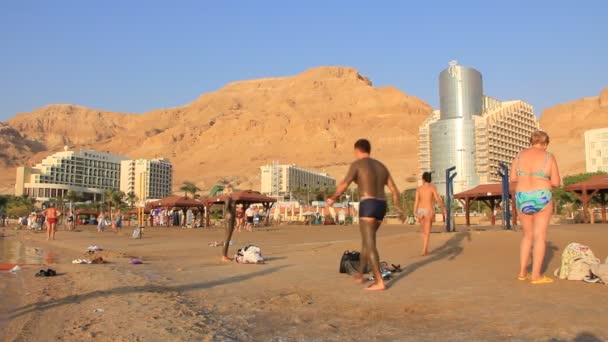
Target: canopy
(585, 190)
(177, 202)
(246, 197)
(85, 212)
(490, 194)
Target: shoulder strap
(546, 161)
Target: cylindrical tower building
(453, 135)
(460, 92)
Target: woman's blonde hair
(539, 137)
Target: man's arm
(350, 177)
(339, 191)
(393, 188)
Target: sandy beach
(466, 289)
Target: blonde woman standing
(535, 172)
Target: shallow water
(11, 284)
(14, 252)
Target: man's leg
(229, 229)
(53, 227)
(364, 256)
(48, 231)
(369, 227)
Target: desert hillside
(310, 119)
(566, 124)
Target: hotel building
(88, 173)
(471, 131)
(146, 178)
(596, 150)
(281, 180)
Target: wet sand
(466, 289)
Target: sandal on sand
(527, 277)
(543, 280)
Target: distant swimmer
(424, 208)
(535, 172)
(51, 215)
(371, 176)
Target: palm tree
(131, 199)
(118, 199)
(107, 199)
(189, 187)
(72, 196)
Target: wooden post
(603, 203)
(492, 215)
(207, 215)
(585, 202)
(467, 206)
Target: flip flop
(527, 277)
(543, 280)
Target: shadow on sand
(581, 337)
(42, 306)
(449, 250)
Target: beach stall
(245, 198)
(181, 203)
(491, 195)
(585, 191)
(86, 216)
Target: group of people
(246, 218)
(534, 171)
(104, 220)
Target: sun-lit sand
(466, 289)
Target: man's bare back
(371, 177)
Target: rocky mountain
(311, 119)
(566, 124)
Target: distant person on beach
(52, 215)
(371, 176)
(535, 172)
(424, 208)
(230, 209)
(70, 220)
(250, 214)
(240, 218)
(117, 221)
(101, 221)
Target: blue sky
(135, 56)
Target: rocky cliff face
(311, 119)
(566, 124)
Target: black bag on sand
(350, 262)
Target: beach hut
(244, 197)
(491, 195)
(585, 191)
(179, 202)
(87, 214)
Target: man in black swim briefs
(371, 177)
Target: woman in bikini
(424, 208)
(535, 172)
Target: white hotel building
(88, 173)
(281, 180)
(596, 150)
(146, 178)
